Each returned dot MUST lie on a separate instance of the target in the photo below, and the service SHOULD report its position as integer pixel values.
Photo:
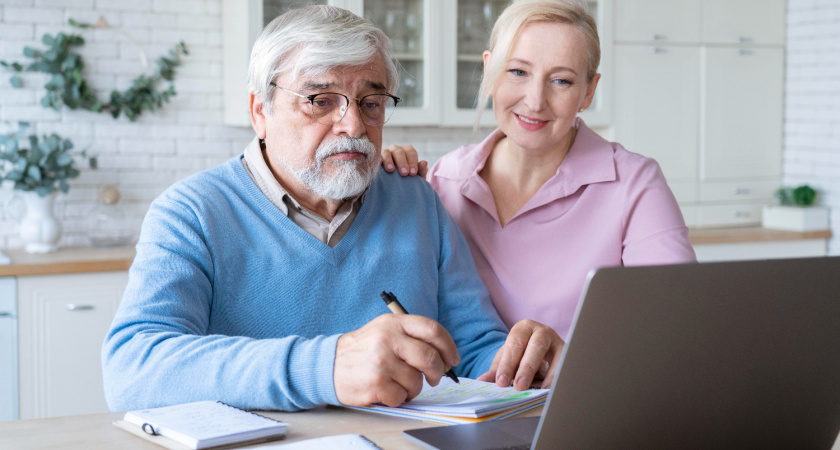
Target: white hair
(311, 41)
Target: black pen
(396, 307)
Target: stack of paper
(465, 402)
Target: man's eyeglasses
(329, 108)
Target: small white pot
(794, 218)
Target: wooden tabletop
(67, 260)
(97, 431)
(732, 235)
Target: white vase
(39, 229)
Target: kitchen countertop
(734, 235)
(106, 259)
(67, 260)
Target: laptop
(741, 354)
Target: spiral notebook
(201, 425)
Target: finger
(538, 349)
(404, 383)
(401, 158)
(387, 160)
(432, 333)
(553, 367)
(423, 168)
(510, 354)
(421, 356)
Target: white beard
(349, 178)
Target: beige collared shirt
(328, 232)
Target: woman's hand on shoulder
(405, 158)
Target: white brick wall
(145, 157)
(812, 99)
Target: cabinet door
(8, 350)
(744, 21)
(657, 20)
(415, 38)
(63, 320)
(657, 105)
(742, 121)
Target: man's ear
(257, 110)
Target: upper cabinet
(699, 88)
(437, 45)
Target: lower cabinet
(62, 322)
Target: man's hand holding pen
(382, 361)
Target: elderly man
(257, 282)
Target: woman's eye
(517, 72)
(562, 81)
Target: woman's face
(543, 86)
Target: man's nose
(352, 124)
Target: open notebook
(466, 402)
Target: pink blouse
(605, 207)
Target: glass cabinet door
(407, 24)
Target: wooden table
(96, 431)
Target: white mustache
(344, 144)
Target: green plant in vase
(38, 169)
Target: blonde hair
(516, 17)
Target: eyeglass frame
(311, 99)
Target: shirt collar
(590, 160)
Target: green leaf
(16, 81)
(56, 82)
(93, 162)
(30, 52)
(48, 40)
(34, 172)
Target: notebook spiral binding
(249, 412)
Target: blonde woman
(543, 199)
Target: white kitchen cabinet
(657, 107)
(709, 111)
(743, 21)
(438, 45)
(63, 320)
(657, 21)
(742, 121)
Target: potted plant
(796, 210)
(38, 169)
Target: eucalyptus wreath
(68, 87)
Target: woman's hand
(405, 158)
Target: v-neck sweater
(230, 300)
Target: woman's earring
(580, 110)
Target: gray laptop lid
(716, 355)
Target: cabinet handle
(745, 52)
(656, 37)
(742, 214)
(6, 314)
(656, 50)
(744, 39)
(741, 191)
(73, 307)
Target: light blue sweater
(229, 300)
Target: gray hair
(311, 41)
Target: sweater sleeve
(465, 307)
(158, 350)
(654, 228)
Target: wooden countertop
(67, 260)
(732, 235)
(107, 259)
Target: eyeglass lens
(376, 109)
